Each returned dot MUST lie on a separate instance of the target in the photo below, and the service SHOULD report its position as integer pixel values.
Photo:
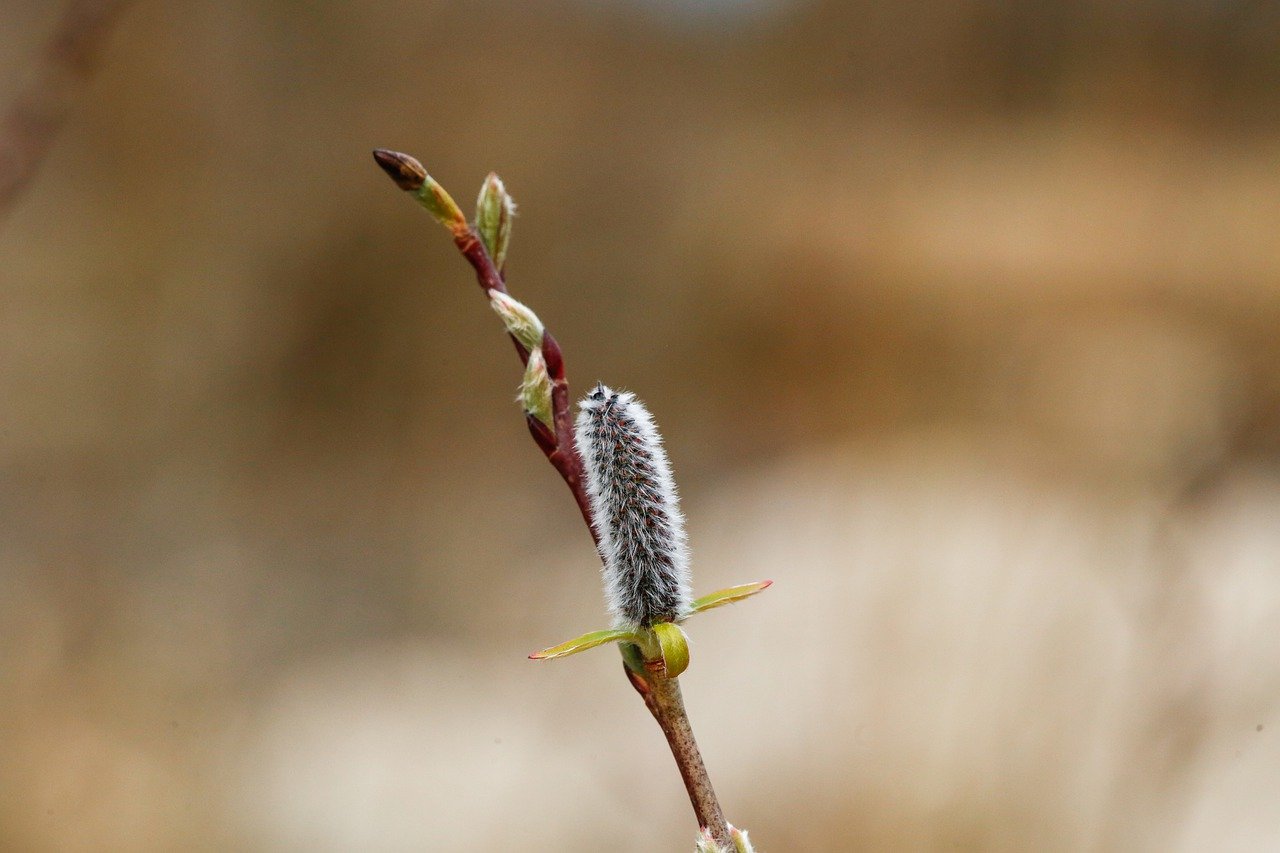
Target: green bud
(519, 319)
(494, 211)
(674, 646)
(741, 844)
(535, 390)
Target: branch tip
(406, 171)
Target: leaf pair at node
(664, 645)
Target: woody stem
(661, 694)
(663, 699)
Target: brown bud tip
(403, 169)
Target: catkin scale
(635, 509)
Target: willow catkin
(635, 508)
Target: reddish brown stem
(559, 448)
(472, 248)
(663, 699)
(661, 694)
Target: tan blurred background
(959, 319)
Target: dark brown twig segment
(661, 694)
(33, 119)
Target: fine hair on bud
(635, 509)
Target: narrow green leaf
(675, 647)
(728, 596)
(586, 641)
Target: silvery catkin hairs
(636, 510)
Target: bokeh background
(960, 320)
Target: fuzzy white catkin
(636, 510)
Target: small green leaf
(728, 596)
(675, 648)
(586, 641)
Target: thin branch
(33, 119)
(660, 693)
(559, 448)
(662, 697)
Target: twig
(33, 119)
(663, 699)
(661, 694)
(558, 447)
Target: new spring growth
(535, 390)
(640, 528)
(486, 248)
(636, 510)
(411, 177)
(494, 211)
(524, 325)
(519, 319)
(621, 481)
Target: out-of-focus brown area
(960, 323)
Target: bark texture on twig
(663, 699)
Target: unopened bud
(494, 211)
(674, 647)
(535, 390)
(519, 319)
(406, 171)
(410, 176)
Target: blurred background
(959, 319)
